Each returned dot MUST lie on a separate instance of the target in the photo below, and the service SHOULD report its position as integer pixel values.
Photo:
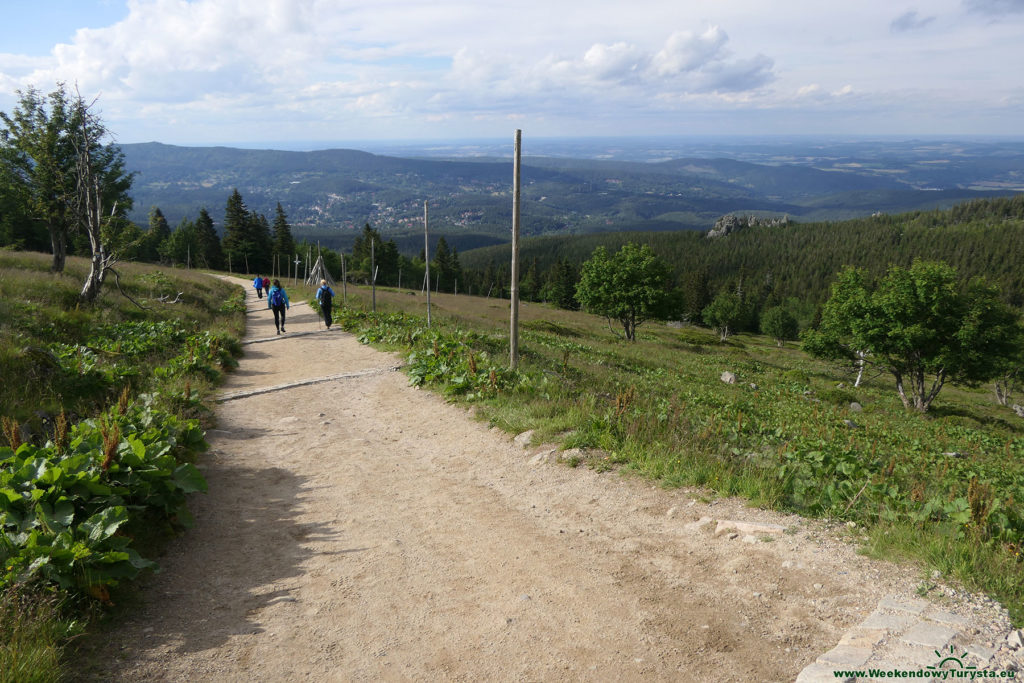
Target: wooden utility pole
(513, 335)
(344, 281)
(426, 259)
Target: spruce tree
(238, 243)
(210, 254)
(158, 233)
(441, 266)
(284, 243)
(262, 258)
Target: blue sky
(281, 71)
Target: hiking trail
(359, 529)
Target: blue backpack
(277, 297)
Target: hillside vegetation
(944, 490)
(102, 412)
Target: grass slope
(945, 490)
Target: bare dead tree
(89, 204)
(164, 298)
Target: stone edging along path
(904, 635)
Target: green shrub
(698, 337)
(838, 397)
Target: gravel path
(359, 529)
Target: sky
(285, 72)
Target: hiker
(277, 301)
(325, 295)
(257, 284)
(266, 283)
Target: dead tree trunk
(89, 206)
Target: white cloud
(305, 68)
(618, 62)
(685, 52)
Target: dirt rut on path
(361, 529)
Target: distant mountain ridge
(330, 194)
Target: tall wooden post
(426, 259)
(344, 281)
(513, 335)
(373, 275)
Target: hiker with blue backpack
(325, 296)
(277, 301)
(257, 284)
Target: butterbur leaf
(103, 524)
(52, 475)
(189, 479)
(112, 557)
(139, 562)
(58, 516)
(193, 438)
(138, 451)
(97, 488)
(183, 518)
(31, 471)
(77, 463)
(37, 563)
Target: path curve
(359, 529)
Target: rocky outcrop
(731, 223)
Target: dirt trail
(360, 529)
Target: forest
(793, 263)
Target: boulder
(1015, 640)
(523, 440)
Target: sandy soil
(360, 529)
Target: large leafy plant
(64, 505)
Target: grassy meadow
(944, 490)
